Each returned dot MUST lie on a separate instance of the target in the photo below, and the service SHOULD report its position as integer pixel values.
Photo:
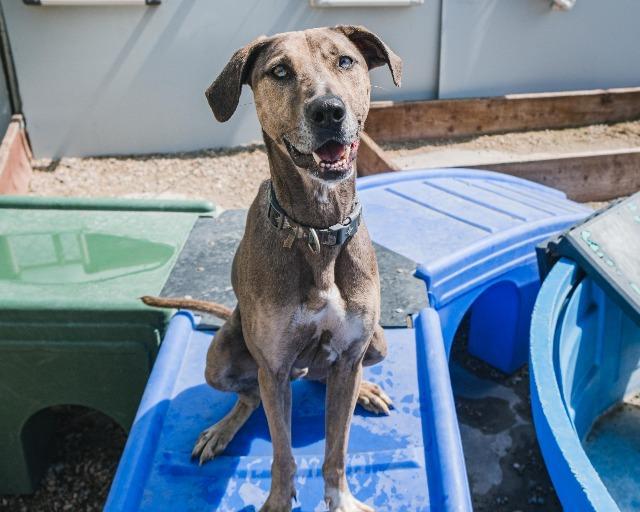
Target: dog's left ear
(224, 93)
(374, 50)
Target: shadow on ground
(504, 463)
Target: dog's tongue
(330, 151)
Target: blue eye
(345, 62)
(280, 71)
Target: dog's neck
(305, 199)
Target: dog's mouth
(330, 161)
(333, 156)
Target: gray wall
(109, 80)
(496, 47)
(114, 80)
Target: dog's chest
(325, 311)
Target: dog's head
(311, 91)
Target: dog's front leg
(343, 383)
(275, 391)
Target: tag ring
(313, 241)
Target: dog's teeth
(317, 158)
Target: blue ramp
(408, 461)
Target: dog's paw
(343, 501)
(211, 442)
(373, 398)
(274, 504)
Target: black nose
(326, 111)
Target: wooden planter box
(15, 159)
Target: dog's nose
(326, 111)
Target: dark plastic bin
(72, 330)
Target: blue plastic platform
(409, 461)
(585, 359)
(472, 235)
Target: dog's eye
(345, 62)
(280, 71)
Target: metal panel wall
(114, 80)
(496, 47)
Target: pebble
(536, 500)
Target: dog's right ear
(224, 93)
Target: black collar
(335, 235)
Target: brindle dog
(304, 308)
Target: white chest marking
(327, 312)
(321, 193)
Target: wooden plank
(15, 159)
(597, 176)
(394, 121)
(372, 159)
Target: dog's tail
(203, 306)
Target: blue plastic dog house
(585, 358)
(472, 235)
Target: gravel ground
(85, 453)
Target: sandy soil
(230, 178)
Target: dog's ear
(374, 50)
(224, 93)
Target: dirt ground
(504, 463)
(511, 147)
